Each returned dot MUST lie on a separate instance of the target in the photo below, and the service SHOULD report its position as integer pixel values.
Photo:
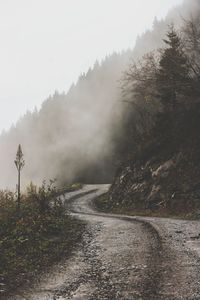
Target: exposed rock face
(163, 170)
(171, 184)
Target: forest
(160, 169)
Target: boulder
(163, 170)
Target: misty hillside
(81, 135)
(160, 167)
(71, 134)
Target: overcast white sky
(46, 44)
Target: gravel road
(124, 257)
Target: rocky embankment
(164, 182)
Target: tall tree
(191, 34)
(141, 102)
(173, 72)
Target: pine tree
(173, 72)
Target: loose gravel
(123, 257)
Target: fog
(45, 45)
(74, 136)
(71, 132)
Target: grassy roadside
(37, 237)
(103, 204)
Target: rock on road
(124, 257)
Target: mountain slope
(79, 135)
(160, 171)
(70, 136)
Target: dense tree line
(161, 88)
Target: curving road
(124, 257)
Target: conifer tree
(173, 72)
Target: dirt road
(124, 258)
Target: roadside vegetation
(36, 236)
(103, 204)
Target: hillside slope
(160, 170)
(79, 135)
(166, 177)
(70, 136)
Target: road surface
(124, 257)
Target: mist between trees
(83, 135)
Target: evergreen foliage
(173, 72)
